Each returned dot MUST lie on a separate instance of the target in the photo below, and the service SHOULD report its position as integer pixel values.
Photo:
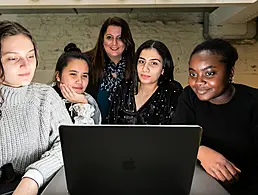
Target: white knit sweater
(29, 137)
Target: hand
(114, 75)
(69, 93)
(27, 186)
(217, 165)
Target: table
(202, 184)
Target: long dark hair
(7, 29)
(168, 65)
(98, 54)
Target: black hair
(219, 47)
(163, 51)
(98, 53)
(168, 65)
(71, 51)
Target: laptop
(129, 160)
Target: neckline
(13, 96)
(147, 102)
(233, 94)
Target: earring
(231, 79)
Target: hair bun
(71, 47)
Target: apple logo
(129, 165)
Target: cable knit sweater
(29, 137)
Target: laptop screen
(124, 159)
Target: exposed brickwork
(179, 31)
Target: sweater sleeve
(51, 160)
(185, 113)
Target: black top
(158, 109)
(230, 129)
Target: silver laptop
(129, 160)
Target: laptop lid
(133, 160)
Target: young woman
(112, 61)
(30, 115)
(152, 98)
(228, 114)
(71, 80)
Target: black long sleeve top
(230, 129)
(158, 109)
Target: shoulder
(40, 88)
(245, 88)
(173, 87)
(169, 92)
(176, 85)
(125, 86)
(43, 91)
(246, 91)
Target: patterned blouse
(158, 109)
(110, 83)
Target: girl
(152, 99)
(72, 77)
(228, 114)
(30, 115)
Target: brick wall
(181, 32)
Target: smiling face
(208, 77)
(18, 60)
(149, 66)
(113, 44)
(75, 74)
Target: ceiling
(105, 10)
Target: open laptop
(129, 160)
